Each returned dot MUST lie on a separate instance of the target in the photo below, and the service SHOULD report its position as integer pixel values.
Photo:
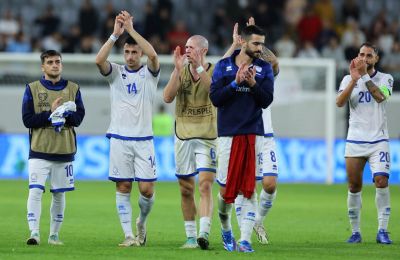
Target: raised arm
(172, 87)
(101, 59)
(235, 42)
(197, 60)
(148, 50)
(344, 95)
(268, 56)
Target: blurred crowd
(295, 28)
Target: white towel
(57, 118)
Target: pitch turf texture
(307, 221)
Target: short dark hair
(251, 29)
(130, 41)
(49, 53)
(370, 45)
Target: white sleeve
(114, 71)
(390, 83)
(152, 76)
(345, 82)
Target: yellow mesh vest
(196, 117)
(45, 139)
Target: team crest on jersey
(123, 75)
(42, 97)
(115, 171)
(228, 68)
(33, 177)
(43, 102)
(141, 73)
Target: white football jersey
(266, 115)
(132, 95)
(368, 121)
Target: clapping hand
(179, 59)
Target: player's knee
(205, 188)
(124, 187)
(355, 187)
(147, 193)
(187, 191)
(381, 181)
(269, 186)
(35, 194)
(187, 188)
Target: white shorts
(132, 161)
(194, 156)
(378, 156)
(270, 161)
(224, 144)
(61, 175)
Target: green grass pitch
(308, 221)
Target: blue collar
(373, 74)
(57, 86)
(132, 71)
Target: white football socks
(145, 205)
(57, 209)
(266, 201)
(224, 211)
(191, 228)
(34, 207)
(248, 218)
(205, 225)
(239, 208)
(382, 201)
(124, 210)
(354, 203)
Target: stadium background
(298, 31)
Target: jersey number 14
(132, 88)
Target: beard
(253, 54)
(370, 66)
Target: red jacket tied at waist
(242, 168)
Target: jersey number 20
(365, 97)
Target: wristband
(113, 38)
(199, 69)
(365, 78)
(234, 85)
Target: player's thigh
(187, 186)
(39, 171)
(224, 145)
(62, 177)
(121, 167)
(354, 168)
(270, 160)
(205, 155)
(144, 161)
(259, 157)
(379, 162)
(184, 158)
